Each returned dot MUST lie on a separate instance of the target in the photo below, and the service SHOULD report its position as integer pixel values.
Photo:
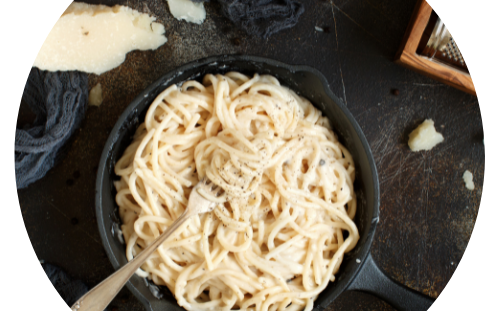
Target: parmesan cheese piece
(424, 137)
(96, 38)
(187, 10)
(95, 95)
(469, 184)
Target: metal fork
(98, 298)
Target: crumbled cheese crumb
(187, 10)
(424, 137)
(96, 38)
(95, 95)
(469, 184)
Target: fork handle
(98, 298)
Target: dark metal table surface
(427, 214)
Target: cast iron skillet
(358, 270)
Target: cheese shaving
(96, 38)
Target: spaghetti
(278, 236)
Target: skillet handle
(372, 280)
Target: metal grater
(451, 51)
(441, 46)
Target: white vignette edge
(10, 174)
(488, 151)
(16, 209)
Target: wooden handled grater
(437, 43)
(429, 48)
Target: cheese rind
(187, 10)
(96, 38)
(424, 137)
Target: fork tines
(215, 190)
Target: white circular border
(16, 209)
(10, 173)
(488, 150)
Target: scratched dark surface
(427, 215)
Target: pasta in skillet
(287, 220)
